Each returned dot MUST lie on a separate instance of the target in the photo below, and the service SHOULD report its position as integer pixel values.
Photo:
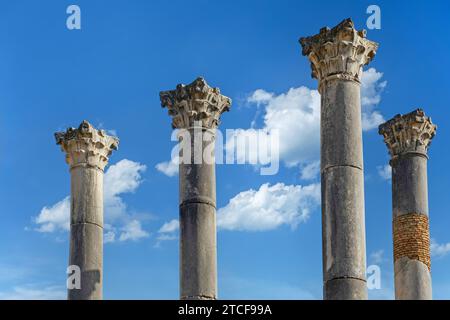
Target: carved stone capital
(195, 103)
(86, 146)
(340, 52)
(411, 132)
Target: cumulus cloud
(295, 115)
(385, 172)
(371, 120)
(169, 168)
(133, 231)
(439, 249)
(371, 90)
(269, 207)
(55, 217)
(310, 171)
(123, 177)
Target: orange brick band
(412, 238)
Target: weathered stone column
(337, 56)
(87, 151)
(195, 110)
(408, 138)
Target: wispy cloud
(439, 249)
(377, 257)
(34, 292)
(168, 232)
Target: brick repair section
(412, 238)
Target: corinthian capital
(340, 52)
(411, 132)
(86, 145)
(196, 102)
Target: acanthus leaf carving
(411, 132)
(340, 52)
(86, 145)
(195, 103)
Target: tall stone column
(87, 151)
(195, 110)
(408, 138)
(337, 56)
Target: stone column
(87, 151)
(337, 56)
(408, 138)
(195, 110)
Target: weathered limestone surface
(87, 151)
(337, 56)
(196, 109)
(408, 138)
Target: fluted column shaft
(337, 56)
(195, 110)
(408, 138)
(87, 151)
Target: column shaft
(411, 227)
(343, 226)
(198, 258)
(86, 231)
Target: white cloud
(55, 217)
(109, 237)
(439, 249)
(385, 172)
(371, 89)
(123, 177)
(295, 114)
(169, 168)
(170, 226)
(32, 292)
(310, 171)
(133, 231)
(168, 232)
(371, 120)
(269, 207)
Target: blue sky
(111, 71)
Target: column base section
(198, 257)
(412, 280)
(86, 252)
(345, 289)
